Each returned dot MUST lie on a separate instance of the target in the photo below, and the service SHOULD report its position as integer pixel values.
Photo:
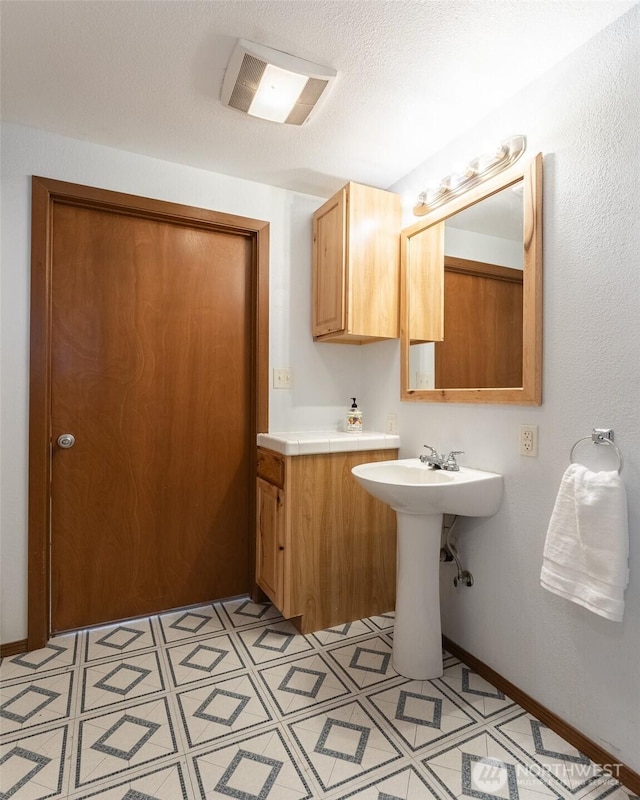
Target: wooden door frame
(45, 193)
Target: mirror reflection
(471, 315)
(483, 259)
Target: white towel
(587, 547)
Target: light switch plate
(281, 378)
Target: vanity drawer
(271, 467)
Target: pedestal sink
(420, 496)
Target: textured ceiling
(145, 76)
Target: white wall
(324, 376)
(584, 117)
(480, 247)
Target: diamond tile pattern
(112, 743)
(367, 662)
(120, 680)
(421, 713)
(304, 683)
(60, 653)
(551, 754)
(178, 625)
(214, 711)
(343, 743)
(228, 700)
(203, 659)
(29, 704)
(472, 690)
(33, 766)
(121, 639)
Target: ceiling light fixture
(477, 170)
(274, 85)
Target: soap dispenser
(354, 418)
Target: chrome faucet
(436, 461)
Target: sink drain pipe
(450, 553)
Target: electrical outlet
(529, 440)
(424, 380)
(281, 378)
(392, 423)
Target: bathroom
(583, 116)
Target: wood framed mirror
(471, 295)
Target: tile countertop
(302, 443)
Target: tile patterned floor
(229, 701)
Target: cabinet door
(329, 266)
(373, 263)
(425, 285)
(270, 541)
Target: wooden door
(152, 370)
(482, 345)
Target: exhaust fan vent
(273, 85)
(247, 82)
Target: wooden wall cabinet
(325, 549)
(356, 266)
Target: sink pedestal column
(417, 639)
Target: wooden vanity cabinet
(270, 542)
(356, 266)
(325, 549)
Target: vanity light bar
(477, 170)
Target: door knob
(66, 440)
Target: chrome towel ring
(600, 436)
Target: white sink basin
(410, 486)
(420, 496)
